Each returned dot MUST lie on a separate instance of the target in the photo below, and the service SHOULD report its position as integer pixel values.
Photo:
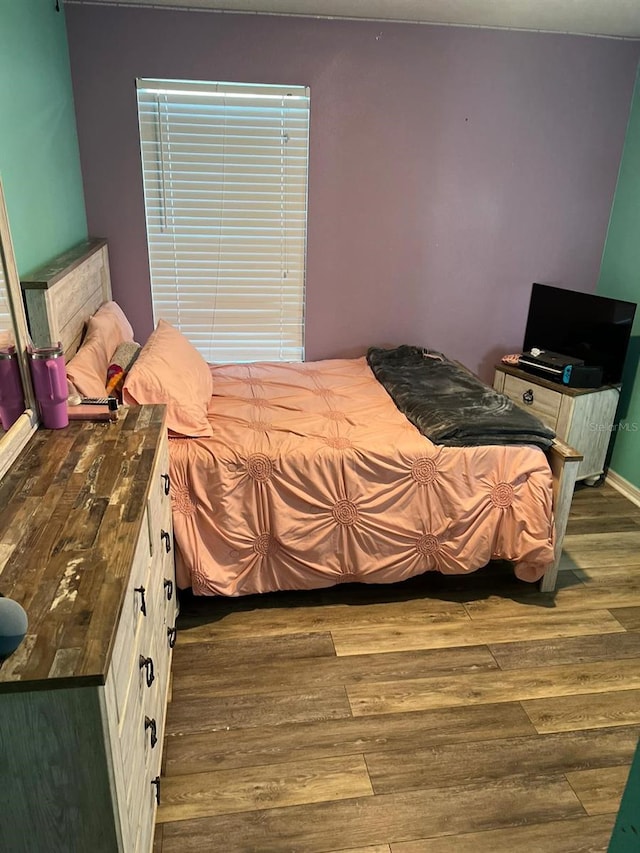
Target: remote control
(111, 402)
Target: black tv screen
(593, 328)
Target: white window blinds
(225, 182)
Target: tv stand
(583, 418)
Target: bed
(313, 477)
(299, 476)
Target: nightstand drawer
(541, 402)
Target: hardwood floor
(438, 715)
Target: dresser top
(546, 383)
(70, 513)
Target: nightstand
(583, 418)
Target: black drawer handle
(156, 783)
(172, 633)
(167, 540)
(167, 483)
(527, 397)
(168, 589)
(147, 665)
(149, 723)
(143, 603)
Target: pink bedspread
(314, 478)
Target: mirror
(13, 329)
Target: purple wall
(449, 167)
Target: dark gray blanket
(449, 405)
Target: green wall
(620, 279)
(626, 833)
(39, 156)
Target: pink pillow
(106, 330)
(170, 370)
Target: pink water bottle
(50, 385)
(11, 395)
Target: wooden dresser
(582, 417)
(86, 546)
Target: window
(225, 183)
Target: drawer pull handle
(143, 603)
(527, 397)
(156, 783)
(172, 633)
(167, 540)
(151, 724)
(168, 589)
(147, 665)
(167, 483)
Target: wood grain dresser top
(70, 514)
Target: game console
(563, 369)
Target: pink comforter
(313, 478)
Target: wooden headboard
(62, 295)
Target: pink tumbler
(11, 396)
(50, 385)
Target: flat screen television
(593, 328)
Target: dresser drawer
(145, 761)
(132, 740)
(144, 713)
(141, 735)
(541, 402)
(135, 613)
(148, 807)
(159, 502)
(140, 790)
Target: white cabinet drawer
(134, 613)
(141, 733)
(541, 402)
(148, 807)
(159, 501)
(132, 738)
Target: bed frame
(62, 296)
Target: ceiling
(620, 18)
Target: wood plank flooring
(442, 714)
